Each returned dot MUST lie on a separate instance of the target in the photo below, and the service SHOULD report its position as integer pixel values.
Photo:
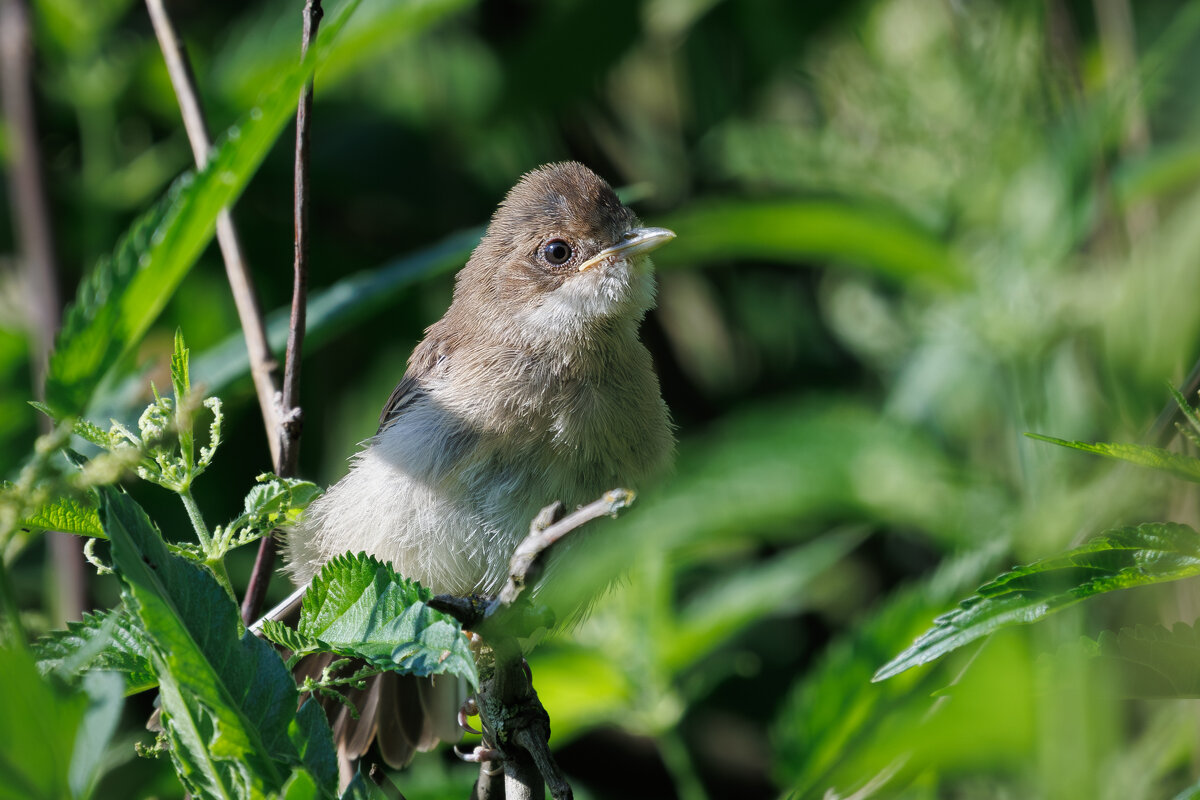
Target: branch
(514, 721)
(262, 363)
(288, 430)
(35, 243)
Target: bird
(534, 387)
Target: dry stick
(290, 421)
(514, 720)
(35, 242)
(262, 363)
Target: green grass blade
(1120, 559)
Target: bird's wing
(429, 355)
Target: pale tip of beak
(636, 241)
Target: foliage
(909, 232)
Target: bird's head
(562, 254)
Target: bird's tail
(403, 713)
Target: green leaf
(311, 735)
(69, 515)
(106, 699)
(279, 633)
(728, 605)
(1120, 559)
(110, 640)
(181, 385)
(362, 788)
(227, 699)
(119, 300)
(1180, 466)
(358, 606)
(806, 230)
(38, 727)
(1154, 662)
(834, 712)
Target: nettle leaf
(182, 388)
(1120, 559)
(111, 640)
(313, 738)
(1154, 662)
(124, 294)
(279, 633)
(359, 606)
(78, 515)
(227, 699)
(277, 500)
(1179, 465)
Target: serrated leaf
(1154, 662)
(279, 633)
(227, 699)
(358, 606)
(119, 299)
(110, 640)
(1179, 465)
(182, 387)
(1119, 559)
(278, 498)
(69, 515)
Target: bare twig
(262, 363)
(527, 557)
(514, 720)
(288, 430)
(35, 242)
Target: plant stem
(198, 523)
(286, 435)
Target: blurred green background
(909, 232)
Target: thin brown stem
(288, 431)
(245, 298)
(35, 243)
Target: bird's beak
(635, 242)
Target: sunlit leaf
(69, 515)
(358, 606)
(227, 699)
(1180, 466)
(1120, 559)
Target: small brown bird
(534, 387)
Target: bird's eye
(556, 252)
